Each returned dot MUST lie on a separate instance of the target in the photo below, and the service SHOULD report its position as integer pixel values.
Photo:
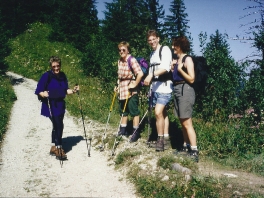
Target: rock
(230, 175)
(188, 177)
(229, 186)
(165, 178)
(181, 169)
(237, 193)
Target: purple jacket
(57, 89)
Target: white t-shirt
(164, 63)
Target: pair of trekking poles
(90, 139)
(124, 108)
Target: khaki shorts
(184, 98)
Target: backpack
(143, 65)
(201, 73)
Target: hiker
(127, 85)
(52, 89)
(161, 85)
(184, 95)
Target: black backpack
(201, 73)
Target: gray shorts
(184, 97)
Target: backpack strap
(160, 55)
(48, 81)
(129, 63)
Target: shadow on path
(71, 141)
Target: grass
(7, 98)
(232, 144)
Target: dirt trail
(27, 169)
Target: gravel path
(27, 169)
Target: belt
(178, 82)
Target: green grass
(7, 98)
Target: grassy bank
(7, 98)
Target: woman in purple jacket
(52, 88)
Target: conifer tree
(176, 24)
(224, 77)
(130, 20)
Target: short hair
(182, 42)
(152, 33)
(124, 43)
(54, 59)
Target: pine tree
(223, 78)
(176, 23)
(130, 20)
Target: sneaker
(160, 144)
(135, 136)
(194, 155)
(166, 143)
(52, 150)
(60, 154)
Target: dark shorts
(131, 107)
(184, 98)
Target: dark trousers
(57, 129)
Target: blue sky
(210, 15)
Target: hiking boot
(135, 136)
(122, 131)
(60, 154)
(183, 151)
(166, 143)
(160, 144)
(194, 155)
(52, 150)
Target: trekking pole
(124, 108)
(140, 122)
(51, 117)
(150, 114)
(108, 118)
(83, 123)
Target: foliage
(7, 98)
(100, 59)
(166, 161)
(224, 77)
(79, 22)
(124, 156)
(252, 95)
(129, 21)
(152, 185)
(4, 49)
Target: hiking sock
(194, 148)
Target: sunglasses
(122, 50)
(56, 66)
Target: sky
(209, 16)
